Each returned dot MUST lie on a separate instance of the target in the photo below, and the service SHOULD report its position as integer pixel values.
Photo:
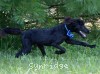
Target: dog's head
(77, 25)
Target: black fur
(50, 37)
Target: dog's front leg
(76, 42)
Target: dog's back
(41, 36)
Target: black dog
(51, 37)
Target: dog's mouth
(82, 34)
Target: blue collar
(68, 32)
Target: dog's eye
(77, 27)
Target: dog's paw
(92, 46)
(16, 56)
(59, 52)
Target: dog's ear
(68, 20)
(81, 22)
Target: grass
(77, 60)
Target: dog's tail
(12, 31)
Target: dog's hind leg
(61, 51)
(25, 49)
(41, 47)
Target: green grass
(77, 60)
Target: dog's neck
(68, 32)
(66, 27)
(65, 30)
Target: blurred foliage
(16, 13)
